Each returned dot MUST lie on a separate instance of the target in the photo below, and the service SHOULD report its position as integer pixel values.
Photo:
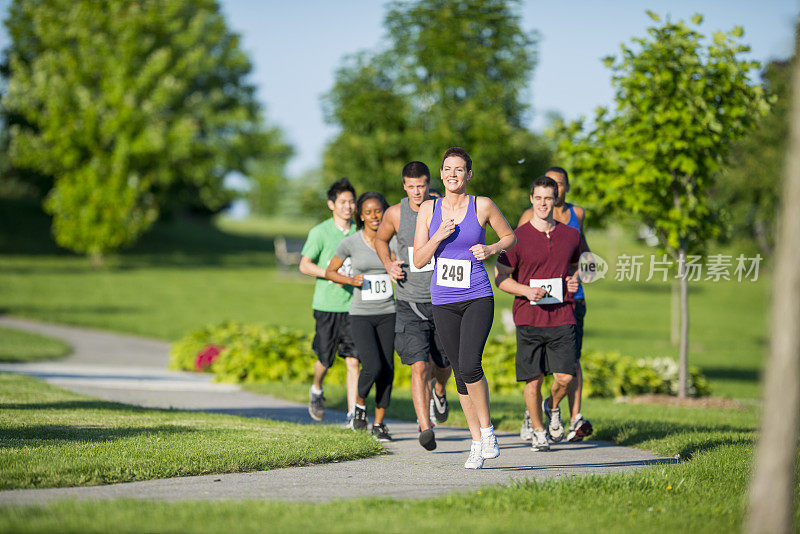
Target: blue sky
(296, 47)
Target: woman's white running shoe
(475, 459)
(489, 447)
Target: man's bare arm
(310, 268)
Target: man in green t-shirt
(331, 301)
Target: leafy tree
(680, 106)
(454, 73)
(128, 106)
(747, 193)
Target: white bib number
(425, 268)
(453, 273)
(376, 287)
(554, 288)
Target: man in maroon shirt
(541, 273)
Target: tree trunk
(96, 260)
(674, 314)
(683, 363)
(771, 492)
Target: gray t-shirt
(417, 285)
(376, 295)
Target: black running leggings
(373, 337)
(463, 328)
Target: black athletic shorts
(545, 350)
(415, 338)
(332, 334)
(580, 313)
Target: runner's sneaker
(539, 441)
(526, 433)
(359, 419)
(348, 421)
(579, 429)
(475, 459)
(427, 439)
(555, 429)
(380, 432)
(316, 406)
(440, 410)
(489, 447)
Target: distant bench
(287, 252)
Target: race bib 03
(554, 288)
(453, 273)
(425, 268)
(376, 287)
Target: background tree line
(121, 113)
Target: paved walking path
(132, 370)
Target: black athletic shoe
(427, 439)
(316, 406)
(359, 419)
(381, 433)
(439, 405)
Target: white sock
(476, 444)
(485, 432)
(361, 407)
(315, 391)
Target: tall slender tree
(680, 106)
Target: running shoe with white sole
(579, 428)
(539, 441)
(316, 406)
(348, 421)
(475, 459)
(359, 419)
(526, 433)
(381, 433)
(489, 447)
(440, 410)
(555, 429)
(427, 439)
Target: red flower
(207, 356)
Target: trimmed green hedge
(237, 352)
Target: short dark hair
(559, 170)
(338, 187)
(459, 152)
(416, 169)
(545, 181)
(434, 193)
(360, 202)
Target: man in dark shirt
(541, 273)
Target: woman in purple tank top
(453, 231)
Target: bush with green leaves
(257, 353)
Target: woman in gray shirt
(372, 310)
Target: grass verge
(17, 346)
(704, 495)
(50, 437)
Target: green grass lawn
(706, 494)
(17, 346)
(186, 274)
(50, 437)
